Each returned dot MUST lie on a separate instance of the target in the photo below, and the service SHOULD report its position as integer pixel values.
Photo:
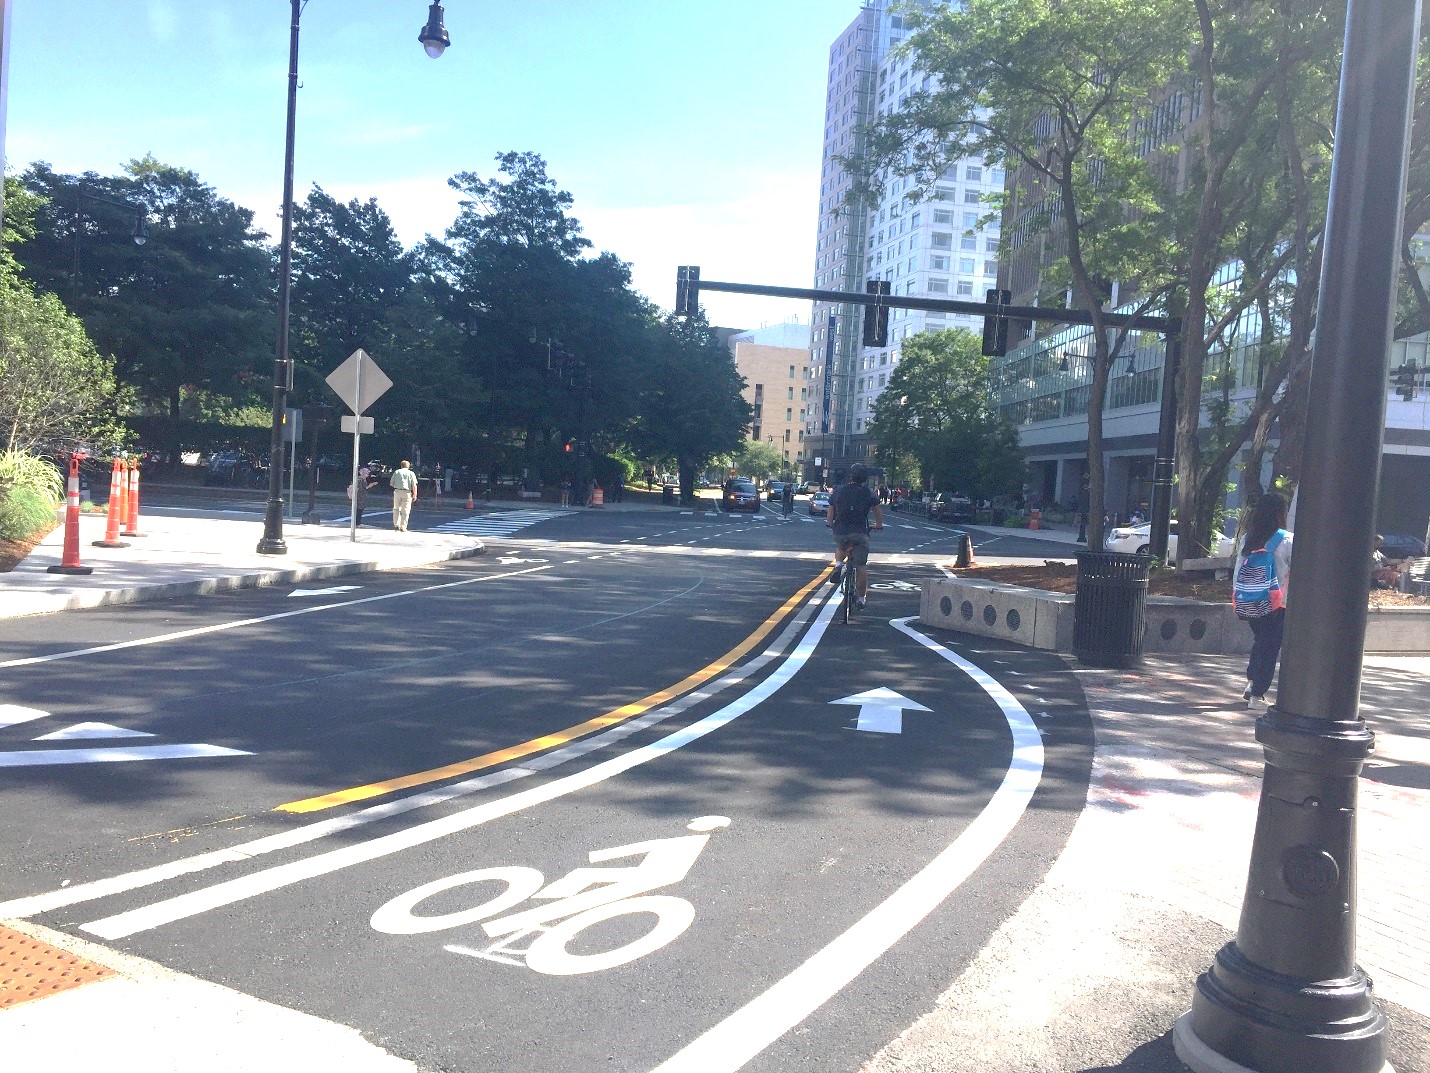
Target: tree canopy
(936, 415)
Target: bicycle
(849, 580)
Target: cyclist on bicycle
(848, 516)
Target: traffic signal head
(687, 291)
(1405, 380)
(568, 447)
(876, 315)
(995, 327)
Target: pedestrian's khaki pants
(401, 508)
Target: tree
(189, 311)
(56, 390)
(1051, 91)
(758, 460)
(690, 407)
(938, 409)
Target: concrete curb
(169, 590)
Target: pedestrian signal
(687, 291)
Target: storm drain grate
(30, 969)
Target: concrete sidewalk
(179, 556)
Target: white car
(1136, 539)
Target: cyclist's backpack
(1256, 591)
(848, 514)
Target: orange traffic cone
(471, 503)
(965, 551)
(116, 509)
(1035, 518)
(131, 527)
(70, 563)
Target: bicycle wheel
(848, 587)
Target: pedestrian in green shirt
(404, 494)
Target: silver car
(819, 503)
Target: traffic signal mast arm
(1143, 322)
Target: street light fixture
(434, 35)
(435, 40)
(141, 223)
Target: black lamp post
(434, 40)
(1287, 996)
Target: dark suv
(951, 509)
(740, 494)
(233, 467)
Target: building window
(970, 220)
(789, 414)
(965, 287)
(943, 193)
(941, 241)
(965, 264)
(883, 379)
(791, 372)
(968, 242)
(938, 264)
(943, 217)
(990, 268)
(938, 286)
(972, 197)
(759, 409)
(990, 245)
(755, 432)
(973, 173)
(759, 391)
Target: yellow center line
(560, 737)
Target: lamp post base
(1245, 1019)
(272, 546)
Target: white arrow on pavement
(901, 586)
(323, 592)
(881, 710)
(508, 560)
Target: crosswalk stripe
(502, 524)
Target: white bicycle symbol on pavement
(585, 897)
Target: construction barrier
(598, 497)
(131, 528)
(471, 504)
(116, 508)
(70, 564)
(1035, 518)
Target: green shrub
(23, 513)
(21, 470)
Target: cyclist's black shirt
(852, 503)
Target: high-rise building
(938, 242)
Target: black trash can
(1110, 609)
(667, 494)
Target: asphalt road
(618, 793)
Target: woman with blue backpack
(1259, 590)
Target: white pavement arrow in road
(323, 592)
(508, 560)
(881, 710)
(14, 714)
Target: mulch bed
(12, 551)
(1062, 577)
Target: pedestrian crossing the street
(503, 523)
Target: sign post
(292, 434)
(359, 383)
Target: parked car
(955, 508)
(234, 467)
(1135, 539)
(819, 502)
(1401, 546)
(740, 494)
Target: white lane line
(200, 631)
(749, 1030)
(279, 876)
(31, 905)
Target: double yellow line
(560, 737)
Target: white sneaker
(859, 602)
(1246, 693)
(1253, 703)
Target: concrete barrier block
(1399, 630)
(982, 608)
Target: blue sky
(687, 133)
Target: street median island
(1033, 606)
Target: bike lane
(681, 891)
